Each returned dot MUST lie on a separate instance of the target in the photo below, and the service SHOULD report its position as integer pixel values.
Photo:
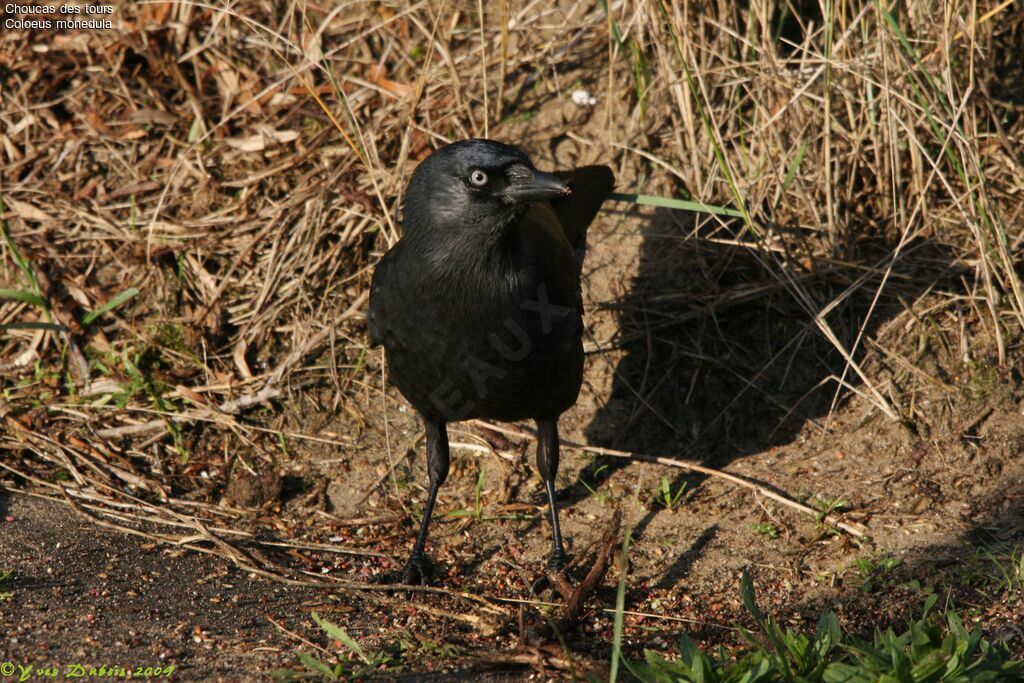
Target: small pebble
(583, 98)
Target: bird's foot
(418, 570)
(554, 578)
(557, 562)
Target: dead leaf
(93, 120)
(238, 355)
(266, 136)
(227, 82)
(135, 188)
(283, 99)
(27, 211)
(311, 47)
(253, 143)
(278, 136)
(250, 101)
(153, 116)
(192, 396)
(324, 89)
(13, 154)
(377, 75)
(132, 134)
(87, 189)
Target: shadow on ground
(723, 358)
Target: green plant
(932, 648)
(142, 368)
(991, 569)
(477, 511)
(929, 650)
(34, 294)
(827, 506)
(639, 67)
(112, 303)
(620, 605)
(875, 573)
(413, 645)
(360, 665)
(1009, 568)
(766, 529)
(600, 495)
(665, 497)
(983, 378)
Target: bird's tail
(590, 185)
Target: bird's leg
(418, 568)
(547, 465)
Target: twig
(573, 610)
(533, 657)
(132, 430)
(850, 528)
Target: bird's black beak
(540, 186)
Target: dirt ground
(943, 510)
(698, 350)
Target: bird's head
(475, 185)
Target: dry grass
(241, 167)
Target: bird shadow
(720, 354)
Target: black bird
(478, 305)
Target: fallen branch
(573, 610)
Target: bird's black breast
(497, 335)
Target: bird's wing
(590, 185)
(382, 288)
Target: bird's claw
(557, 562)
(418, 570)
(555, 565)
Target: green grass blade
(21, 295)
(111, 304)
(25, 268)
(620, 607)
(317, 665)
(19, 260)
(794, 166)
(340, 634)
(705, 119)
(681, 204)
(52, 327)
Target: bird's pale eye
(478, 178)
